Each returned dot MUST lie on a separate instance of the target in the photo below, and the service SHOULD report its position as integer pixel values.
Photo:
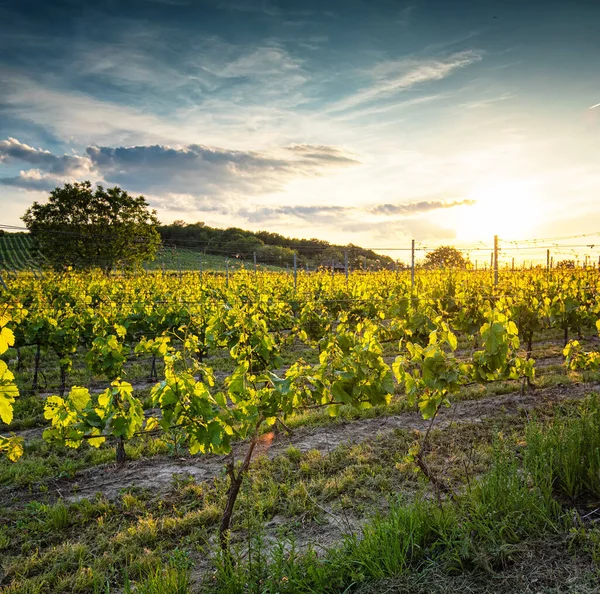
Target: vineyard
(263, 431)
(17, 254)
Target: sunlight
(508, 209)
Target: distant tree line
(270, 248)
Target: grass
(504, 502)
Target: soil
(157, 474)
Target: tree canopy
(445, 256)
(84, 227)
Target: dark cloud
(204, 170)
(31, 180)
(11, 151)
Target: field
(17, 254)
(368, 434)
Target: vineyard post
(227, 273)
(364, 263)
(495, 255)
(254, 257)
(345, 265)
(513, 264)
(475, 264)
(332, 273)
(295, 273)
(548, 260)
(3, 283)
(200, 272)
(412, 266)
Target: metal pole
(412, 266)
(495, 259)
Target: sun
(509, 209)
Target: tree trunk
(153, 374)
(234, 489)
(36, 370)
(63, 380)
(121, 456)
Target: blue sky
(371, 122)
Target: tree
(445, 256)
(84, 227)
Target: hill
(269, 248)
(197, 246)
(17, 253)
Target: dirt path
(158, 473)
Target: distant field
(181, 259)
(17, 253)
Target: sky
(370, 122)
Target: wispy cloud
(322, 213)
(391, 77)
(418, 207)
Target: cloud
(192, 170)
(204, 170)
(320, 214)
(393, 76)
(336, 213)
(33, 179)
(594, 106)
(418, 207)
(11, 151)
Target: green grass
(182, 259)
(506, 497)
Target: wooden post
(254, 256)
(227, 273)
(332, 272)
(412, 266)
(295, 273)
(547, 260)
(346, 266)
(495, 260)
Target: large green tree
(445, 256)
(86, 227)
